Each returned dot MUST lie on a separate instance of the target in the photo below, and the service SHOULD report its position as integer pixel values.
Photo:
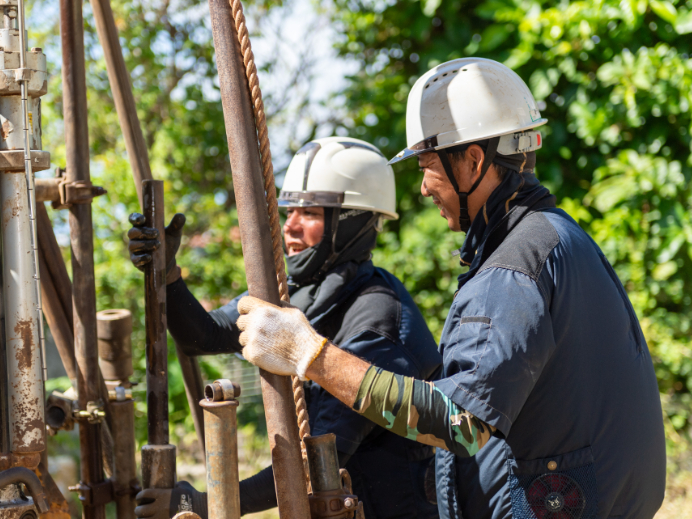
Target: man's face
(466, 170)
(436, 185)
(303, 229)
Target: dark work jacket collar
(337, 286)
(517, 196)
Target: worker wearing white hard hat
(547, 405)
(336, 192)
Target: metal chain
(270, 192)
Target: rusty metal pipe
(114, 329)
(119, 79)
(155, 311)
(323, 462)
(138, 155)
(332, 492)
(47, 189)
(291, 489)
(56, 289)
(24, 373)
(30, 480)
(221, 430)
(4, 411)
(194, 384)
(81, 238)
(115, 351)
(158, 458)
(125, 474)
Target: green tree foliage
(167, 48)
(613, 78)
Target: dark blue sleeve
(496, 342)
(327, 414)
(197, 331)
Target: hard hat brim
(325, 199)
(449, 139)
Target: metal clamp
(75, 192)
(340, 503)
(119, 394)
(96, 494)
(94, 413)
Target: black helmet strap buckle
(490, 152)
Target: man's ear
(475, 155)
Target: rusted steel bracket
(78, 192)
(29, 461)
(332, 491)
(63, 193)
(339, 503)
(96, 494)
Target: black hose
(30, 480)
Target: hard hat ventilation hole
(426, 86)
(444, 75)
(454, 71)
(435, 79)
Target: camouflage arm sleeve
(417, 410)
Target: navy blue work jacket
(543, 343)
(376, 319)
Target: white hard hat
(340, 172)
(467, 100)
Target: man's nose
(292, 222)
(424, 189)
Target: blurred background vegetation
(613, 78)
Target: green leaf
(665, 10)
(683, 23)
(430, 7)
(493, 37)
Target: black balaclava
(349, 235)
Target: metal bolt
(36, 49)
(349, 503)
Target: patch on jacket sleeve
(527, 247)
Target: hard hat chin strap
(464, 217)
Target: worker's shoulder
(376, 306)
(536, 238)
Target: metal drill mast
(23, 80)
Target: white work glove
(279, 340)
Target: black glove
(155, 503)
(144, 240)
